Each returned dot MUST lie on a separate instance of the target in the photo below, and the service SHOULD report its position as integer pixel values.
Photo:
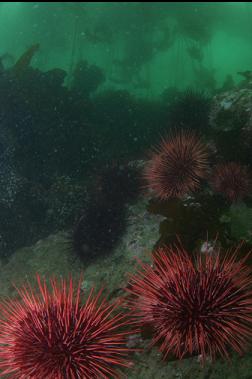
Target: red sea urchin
(194, 307)
(231, 180)
(53, 336)
(177, 166)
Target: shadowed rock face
(231, 124)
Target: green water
(151, 40)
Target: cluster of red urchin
(52, 335)
(199, 307)
(178, 166)
(231, 180)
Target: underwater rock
(52, 256)
(49, 257)
(232, 110)
(65, 198)
(192, 219)
(231, 124)
(22, 205)
(247, 75)
(239, 222)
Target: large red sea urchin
(51, 335)
(199, 307)
(177, 166)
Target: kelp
(24, 61)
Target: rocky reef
(74, 198)
(52, 257)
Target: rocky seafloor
(53, 256)
(29, 209)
